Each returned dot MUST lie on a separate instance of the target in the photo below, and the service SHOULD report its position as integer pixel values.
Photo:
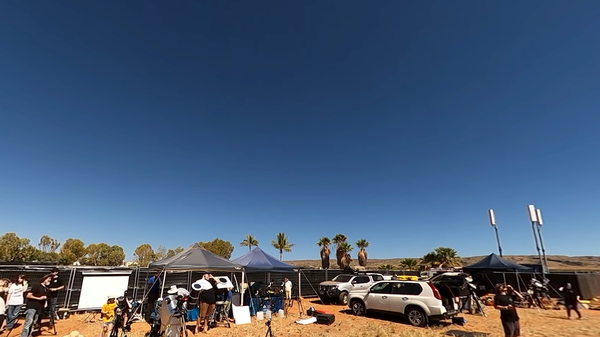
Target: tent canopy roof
(196, 258)
(258, 260)
(494, 262)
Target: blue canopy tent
(258, 261)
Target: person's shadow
(460, 333)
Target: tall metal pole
(539, 230)
(498, 240)
(533, 218)
(492, 217)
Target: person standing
(287, 284)
(36, 299)
(503, 301)
(14, 301)
(155, 284)
(208, 299)
(571, 300)
(55, 286)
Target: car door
(378, 297)
(361, 283)
(403, 293)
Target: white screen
(96, 288)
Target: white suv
(337, 289)
(420, 301)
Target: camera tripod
(178, 316)
(269, 331)
(474, 298)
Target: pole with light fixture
(538, 213)
(493, 223)
(534, 219)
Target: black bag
(325, 319)
(311, 312)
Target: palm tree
(362, 253)
(446, 257)
(429, 260)
(249, 241)
(386, 267)
(345, 248)
(282, 244)
(338, 239)
(324, 244)
(410, 264)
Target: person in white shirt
(14, 301)
(288, 288)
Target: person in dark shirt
(55, 285)
(509, 317)
(36, 300)
(571, 300)
(208, 299)
(155, 284)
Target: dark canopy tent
(194, 258)
(258, 260)
(494, 262)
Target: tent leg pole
(299, 285)
(162, 286)
(243, 289)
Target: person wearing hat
(108, 314)
(55, 286)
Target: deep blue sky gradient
(399, 122)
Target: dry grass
(535, 323)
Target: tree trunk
(325, 257)
(280, 255)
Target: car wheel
(358, 308)
(416, 316)
(344, 298)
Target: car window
(342, 278)
(400, 288)
(361, 279)
(381, 288)
(377, 278)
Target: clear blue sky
(399, 122)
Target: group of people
(201, 312)
(504, 300)
(41, 297)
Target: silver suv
(337, 289)
(419, 301)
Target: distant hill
(555, 262)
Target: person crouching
(108, 315)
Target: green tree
(324, 243)
(220, 247)
(345, 248)
(173, 252)
(143, 255)
(47, 244)
(409, 264)
(362, 253)
(446, 257)
(15, 249)
(71, 251)
(161, 253)
(282, 244)
(115, 256)
(249, 241)
(338, 239)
